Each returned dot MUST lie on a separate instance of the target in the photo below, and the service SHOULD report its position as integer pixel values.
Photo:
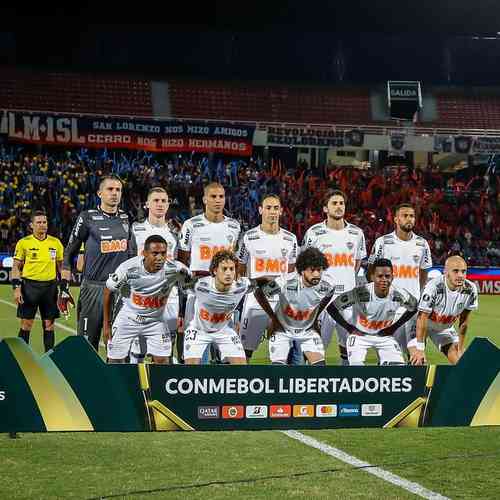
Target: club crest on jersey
(284, 251)
(350, 245)
(416, 258)
(125, 226)
(230, 238)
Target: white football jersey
(143, 230)
(203, 239)
(297, 306)
(342, 248)
(371, 313)
(214, 309)
(148, 291)
(407, 257)
(267, 254)
(445, 305)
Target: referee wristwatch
(16, 283)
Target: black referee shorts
(38, 295)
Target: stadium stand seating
(74, 93)
(269, 102)
(461, 111)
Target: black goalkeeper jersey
(108, 240)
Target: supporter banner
(306, 137)
(463, 144)
(150, 135)
(49, 393)
(443, 143)
(397, 141)
(486, 145)
(354, 138)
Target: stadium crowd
(457, 211)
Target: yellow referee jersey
(39, 257)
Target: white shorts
(125, 329)
(387, 348)
(439, 338)
(189, 311)
(170, 314)
(253, 323)
(281, 342)
(226, 340)
(328, 324)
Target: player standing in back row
(264, 251)
(157, 204)
(108, 242)
(343, 245)
(411, 258)
(202, 236)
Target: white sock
(136, 358)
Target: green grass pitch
(454, 462)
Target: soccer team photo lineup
(213, 289)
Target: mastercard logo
(326, 410)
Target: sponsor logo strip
(280, 411)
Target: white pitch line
(410, 486)
(59, 325)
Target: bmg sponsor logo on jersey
(205, 412)
(371, 410)
(233, 412)
(256, 411)
(349, 410)
(113, 246)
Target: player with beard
(301, 298)
(445, 299)
(374, 308)
(411, 258)
(343, 244)
(264, 251)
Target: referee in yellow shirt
(37, 261)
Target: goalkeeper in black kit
(109, 241)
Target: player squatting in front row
(293, 302)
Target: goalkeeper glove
(64, 299)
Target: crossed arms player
(374, 308)
(264, 251)
(445, 299)
(344, 247)
(301, 298)
(150, 279)
(411, 259)
(217, 297)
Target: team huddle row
(223, 290)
